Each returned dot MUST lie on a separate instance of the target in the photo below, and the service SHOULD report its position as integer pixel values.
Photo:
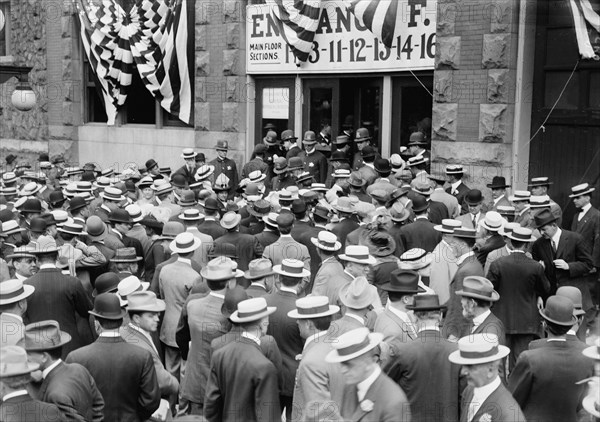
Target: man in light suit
(13, 305)
(286, 247)
(485, 398)
(370, 395)
(67, 385)
(315, 378)
(144, 313)
(434, 397)
(440, 195)
(500, 252)
(327, 246)
(394, 322)
(360, 302)
(443, 265)
(457, 188)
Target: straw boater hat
(539, 201)
(508, 228)
(185, 243)
(43, 335)
(131, 284)
(291, 268)
(14, 362)
(188, 153)
(12, 291)
(358, 294)
(250, 310)
(311, 307)
(271, 220)
(112, 194)
(359, 254)
(520, 234)
(20, 252)
(353, 344)
(492, 221)
(477, 287)
(583, 189)
(520, 195)
(593, 352)
(415, 259)
(327, 241)
(448, 226)
(540, 181)
(476, 349)
(454, 169)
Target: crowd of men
(310, 285)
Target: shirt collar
(184, 260)
(372, 165)
(15, 394)
(455, 185)
(258, 285)
(427, 327)
(556, 237)
(462, 258)
(20, 277)
(480, 318)
(288, 289)
(557, 339)
(314, 337)
(351, 276)
(585, 208)
(110, 334)
(140, 330)
(498, 199)
(363, 387)
(480, 394)
(219, 295)
(251, 336)
(46, 371)
(47, 266)
(356, 317)
(15, 316)
(524, 210)
(572, 332)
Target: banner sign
(342, 44)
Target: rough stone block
(498, 86)
(233, 35)
(66, 27)
(202, 64)
(496, 49)
(444, 121)
(446, 17)
(204, 10)
(492, 122)
(200, 88)
(233, 89)
(471, 154)
(442, 86)
(500, 12)
(231, 62)
(232, 121)
(201, 37)
(232, 11)
(67, 113)
(202, 116)
(447, 53)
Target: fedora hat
(72, 228)
(145, 301)
(220, 269)
(228, 250)
(185, 243)
(539, 201)
(559, 310)
(448, 226)
(362, 135)
(454, 169)
(327, 241)
(126, 255)
(416, 139)
(311, 307)
(403, 281)
(112, 194)
(476, 349)
(108, 306)
(285, 220)
(280, 165)
(188, 153)
(492, 221)
(260, 208)
(270, 138)
(230, 220)
(341, 140)
(256, 176)
(106, 283)
(231, 300)
(508, 228)
(31, 205)
(574, 294)
(344, 204)
(271, 220)
(14, 362)
(192, 214)
(76, 203)
(498, 182)
(43, 335)
(288, 135)
(415, 259)
(295, 163)
(423, 188)
(426, 302)
(399, 213)
(171, 229)
(291, 268)
(420, 203)
(359, 254)
(520, 195)
(11, 227)
(95, 228)
(222, 145)
(45, 244)
(540, 181)
(12, 291)
(129, 285)
(358, 294)
(380, 244)
(119, 216)
(521, 234)
(478, 287)
(253, 309)
(544, 217)
(582, 189)
(417, 160)
(474, 197)
(310, 138)
(353, 344)
(259, 268)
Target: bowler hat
(280, 165)
(253, 309)
(582, 189)
(559, 310)
(426, 302)
(106, 283)
(187, 198)
(543, 218)
(150, 164)
(574, 294)
(211, 204)
(420, 203)
(288, 135)
(310, 138)
(271, 138)
(498, 182)
(152, 222)
(37, 225)
(382, 165)
(298, 206)
(295, 163)
(368, 152)
(474, 197)
(56, 197)
(362, 135)
(403, 281)
(31, 205)
(108, 306)
(44, 335)
(416, 139)
(178, 180)
(478, 288)
(76, 203)
(14, 362)
(338, 156)
(95, 227)
(119, 216)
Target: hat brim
(403, 217)
(309, 142)
(27, 291)
(235, 318)
(188, 156)
(47, 250)
(260, 179)
(257, 214)
(319, 189)
(197, 243)
(249, 276)
(554, 321)
(494, 298)
(343, 209)
(490, 228)
(369, 261)
(122, 313)
(63, 230)
(389, 288)
(417, 264)
(101, 236)
(537, 184)
(30, 368)
(591, 406)
(426, 308)
(510, 236)
(159, 306)
(207, 276)
(546, 222)
(592, 352)
(124, 260)
(232, 224)
(103, 196)
(305, 273)
(441, 229)
(374, 340)
(64, 339)
(281, 171)
(20, 255)
(336, 247)
(368, 138)
(457, 359)
(575, 195)
(490, 186)
(333, 309)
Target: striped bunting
(151, 39)
(585, 15)
(298, 21)
(380, 16)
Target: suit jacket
(139, 233)
(154, 284)
(448, 200)
(167, 383)
(189, 175)
(572, 249)
(467, 221)
(248, 247)
(330, 279)
(287, 248)
(128, 384)
(302, 233)
(287, 335)
(437, 212)
(420, 234)
(12, 329)
(503, 201)
(443, 269)
(73, 390)
(252, 225)
(500, 406)
(242, 385)
(343, 325)
(431, 382)
(461, 192)
(24, 408)
(493, 256)
(550, 395)
(525, 219)
(203, 322)
(267, 237)
(490, 325)
(392, 327)
(175, 283)
(589, 229)
(520, 281)
(59, 297)
(344, 228)
(389, 403)
(454, 322)
(227, 167)
(494, 242)
(256, 291)
(212, 228)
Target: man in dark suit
(124, 373)
(499, 198)
(270, 234)
(485, 398)
(437, 210)
(462, 242)
(347, 223)
(261, 276)
(420, 233)
(303, 232)
(189, 168)
(565, 257)
(243, 383)
(370, 395)
(523, 286)
(120, 222)
(434, 397)
(247, 246)
(16, 405)
(490, 226)
(210, 225)
(457, 188)
(57, 296)
(552, 395)
(69, 386)
(315, 162)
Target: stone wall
(474, 87)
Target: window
(5, 33)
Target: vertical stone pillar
(474, 88)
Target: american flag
(298, 21)
(585, 15)
(152, 39)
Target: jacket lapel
(402, 325)
(465, 404)
(562, 244)
(372, 395)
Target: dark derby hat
(362, 135)
(559, 310)
(338, 156)
(32, 205)
(498, 182)
(298, 206)
(211, 204)
(119, 216)
(416, 139)
(107, 306)
(383, 165)
(106, 283)
(543, 218)
(420, 203)
(368, 152)
(150, 164)
(38, 225)
(56, 197)
(403, 281)
(76, 203)
(474, 197)
(425, 303)
(288, 135)
(178, 180)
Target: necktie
(553, 243)
(474, 222)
